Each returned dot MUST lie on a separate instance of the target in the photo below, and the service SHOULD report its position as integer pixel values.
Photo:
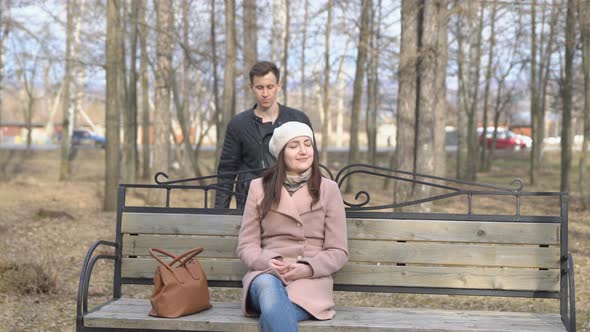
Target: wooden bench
(392, 252)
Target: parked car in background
(505, 139)
(88, 137)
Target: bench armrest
(571, 292)
(87, 266)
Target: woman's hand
(279, 266)
(297, 271)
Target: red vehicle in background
(505, 139)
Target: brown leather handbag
(179, 290)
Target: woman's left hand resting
(297, 271)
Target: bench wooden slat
(132, 313)
(172, 223)
(370, 251)
(373, 229)
(386, 275)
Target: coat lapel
(287, 206)
(297, 205)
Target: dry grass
(46, 226)
(30, 278)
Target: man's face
(265, 88)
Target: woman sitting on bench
(292, 235)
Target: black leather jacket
(246, 148)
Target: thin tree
(4, 32)
(469, 73)
(566, 93)
(373, 83)
(78, 72)
(584, 17)
(67, 125)
(326, 88)
(250, 47)
(285, 58)
(357, 94)
(162, 123)
(440, 109)
(540, 70)
(303, 46)
(486, 90)
(130, 133)
(475, 64)
(113, 103)
(145, 107)
(229, 77)
(182, 102)
(218, 110)
(276, 31)
(533, 87)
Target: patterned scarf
(295, 182)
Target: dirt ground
(46, 227)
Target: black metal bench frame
(361, 210)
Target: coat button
(299, 258)
(298, 225)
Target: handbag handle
(190, 253)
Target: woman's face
(298, 155)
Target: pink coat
(295, 232)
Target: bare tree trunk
(584, 17)
(250, 47)
(567, 89)
(183, 104)
(361, 58)
(5, 30)
(440, 109)
(427, 71)
(77, 76)
(407, 98)
(542, 82)
(462, 95)
(113, 103)
(303, 46)
(228, 108)
(220, 128)
(130, 138)
(326, 88)
(340, 110)
(486, 91)
(145, 95)
(285, 58)
(534, 96)
(276, 31)
(372, 85)
(67, 126)
(475, 63)
(165, 29)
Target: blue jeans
(268, 296)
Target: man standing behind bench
(245, 146)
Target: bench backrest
(438, 253)
(430, 254)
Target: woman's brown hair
(274, 178)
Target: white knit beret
(286, 132)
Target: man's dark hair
(262, 68)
